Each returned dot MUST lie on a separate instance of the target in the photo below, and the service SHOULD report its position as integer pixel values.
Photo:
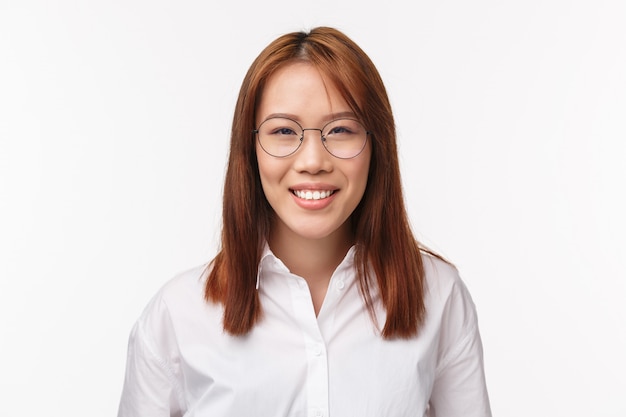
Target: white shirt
(294, 364)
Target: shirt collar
(265, 254)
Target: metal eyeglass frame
(322, 137)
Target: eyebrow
(332, 116)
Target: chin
(312, 233)
(317, 230)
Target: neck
(315, 260)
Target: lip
(314, 186)
(313, 204)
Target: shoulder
(177, 302)
(448, 301)
(154, 379)
(452, 325)
(185, 286)
(442, 278)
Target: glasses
(342, 138)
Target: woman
(320, 301)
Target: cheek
(262, 163)
(270, 171)
(361, 171)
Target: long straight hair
(387, 254)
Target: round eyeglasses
(342, 138)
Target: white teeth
(312, 195)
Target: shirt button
(317, 350)
(340, 285)
(317, 413)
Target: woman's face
(312, 192)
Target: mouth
(313, 194)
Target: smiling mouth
(313, 194)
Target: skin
(310, 237)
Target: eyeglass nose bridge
(322, 137)
(312, 128)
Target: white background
(114, 122)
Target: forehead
(302, 90)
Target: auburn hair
(387, 257)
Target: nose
(312, 157)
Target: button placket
(316, 412)
(315, 349)
(317, 375)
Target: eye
(280, 127)
(343, 129)
(338, 130)
(283, 131)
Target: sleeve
(150, 385)
(459, 388)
